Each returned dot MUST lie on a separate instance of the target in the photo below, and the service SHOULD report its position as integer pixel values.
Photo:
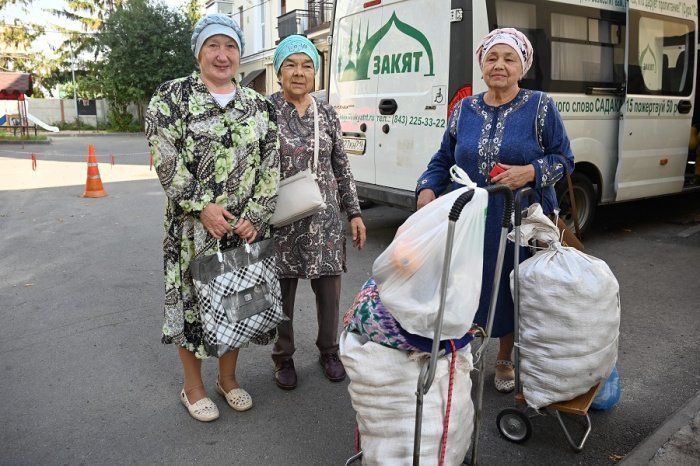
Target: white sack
(382, 389)
(569, 324)
(409, 272)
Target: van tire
(586, 201)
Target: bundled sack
(383, 393)
(368, 317)
(409, 272)
(569, 318)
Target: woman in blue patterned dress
(521, 130)
(215, 149)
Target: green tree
(143, 45)
(16, 53)
(192, 11)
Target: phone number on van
(410, 120)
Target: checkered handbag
(239, 296)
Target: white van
(622, 74)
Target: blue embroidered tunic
(526, 130)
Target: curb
(645, 451)
(65, 134)
(20, 142)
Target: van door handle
(619, 90)
(387, 106)
(684, 106)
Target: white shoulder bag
(299, 195)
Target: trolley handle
(459, 204)
(505, 191)
(530, 193)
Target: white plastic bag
(383, 393)
(409, 272)
(569, 324)
(536, 226)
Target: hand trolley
(513, 423)
(427, 373)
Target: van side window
(586, 49)
(575, 47)
(658, 62)
(521, 16)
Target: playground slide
(38, 122)
(3, 119)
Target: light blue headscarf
(212, 25)
(295, 44)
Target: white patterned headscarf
(508, 36)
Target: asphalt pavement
(86, 381)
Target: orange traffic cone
(93, 186)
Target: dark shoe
(286, 376)
(332, 367)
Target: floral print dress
(203, 154)
(314, 246)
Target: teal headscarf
(291, 45)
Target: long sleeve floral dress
(203, 154)
(314, 246)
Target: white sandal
(204, 410)
(504, 385)
(237, 398)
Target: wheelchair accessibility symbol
(439, 95)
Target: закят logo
(360, 63)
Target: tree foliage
(118, 49)
(143, 45)
(16, 53)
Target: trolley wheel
(514, 425)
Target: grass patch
(12, 138)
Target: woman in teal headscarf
(314, 247)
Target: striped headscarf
(507, 36)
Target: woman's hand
(515, 176)
(359, 232)
(245, 230)
(215, 220)
(425, 197)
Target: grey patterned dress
(205, 153)
(314, 246)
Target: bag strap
(316, 136)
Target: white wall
(55, 111)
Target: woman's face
(219, 59)
(297, 75)
(502, 68)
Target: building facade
(264, 23)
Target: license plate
(354, 146)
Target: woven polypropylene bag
(383, 393)
(569, 324)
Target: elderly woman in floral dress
(215, 148)
(314, 247)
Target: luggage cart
(427, 373)
(513, 423)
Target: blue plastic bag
(609, 393)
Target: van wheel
(586, 201)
